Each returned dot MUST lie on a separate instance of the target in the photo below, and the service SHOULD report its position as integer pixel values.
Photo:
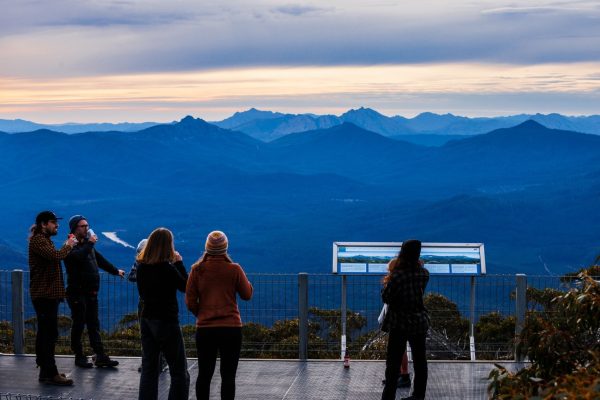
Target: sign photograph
(438, 258)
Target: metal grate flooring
(256, 379)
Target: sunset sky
(152, 60)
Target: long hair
(402, 261)
(159, 248)
(395, 264)
(34, 230)
(206, 256)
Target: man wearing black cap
(83, 283)
(47, 290)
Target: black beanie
(411, 250)
(74, 220)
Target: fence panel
(271, 317)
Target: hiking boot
(82, 361)
(58, 380)
(403, 381)
(45, 378)
(102, 360)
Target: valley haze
(528, 192)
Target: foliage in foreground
(562, 341)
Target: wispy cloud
(92, 41)
(547, 7)
(218, 93)
(80, 37)
(299, 10)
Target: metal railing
(297, 315)
(22, 396)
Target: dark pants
(162, 336)
(46, 311)
(228, 343)
(396, 348)
(84, 311)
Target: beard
(51, 232)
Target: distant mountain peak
(242, 117)
(187, 119)
(191, 121)
(363, 111)
(427, 114)
(531, 124)
(255, 112)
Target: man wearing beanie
(211, 295)
(83, 284)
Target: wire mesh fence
(6, 332)
(22, 396)
(271, 316)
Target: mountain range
(20, 125)
(427, 128)
(528, 192)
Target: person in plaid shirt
(407, 318)
(47, 290)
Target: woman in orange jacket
(210, 295)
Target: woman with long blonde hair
(160, 274)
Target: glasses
(83, 226)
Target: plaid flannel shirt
(404, 296)
(45, 272)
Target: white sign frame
(436, 268)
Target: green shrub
(563, 344)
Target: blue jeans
(162, 336)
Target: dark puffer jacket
(82, 265)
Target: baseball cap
(46, 216)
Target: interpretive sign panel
(439, 258)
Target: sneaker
(104, 361)
(403, 381)
(82, 361)
(412, 397)
(59, 380)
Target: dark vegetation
(561, 338)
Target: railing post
(521, 308)
(472, 321)
(343, 317)
(18, 311)
(303, 315)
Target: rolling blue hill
(20, 125)
(528, 192)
